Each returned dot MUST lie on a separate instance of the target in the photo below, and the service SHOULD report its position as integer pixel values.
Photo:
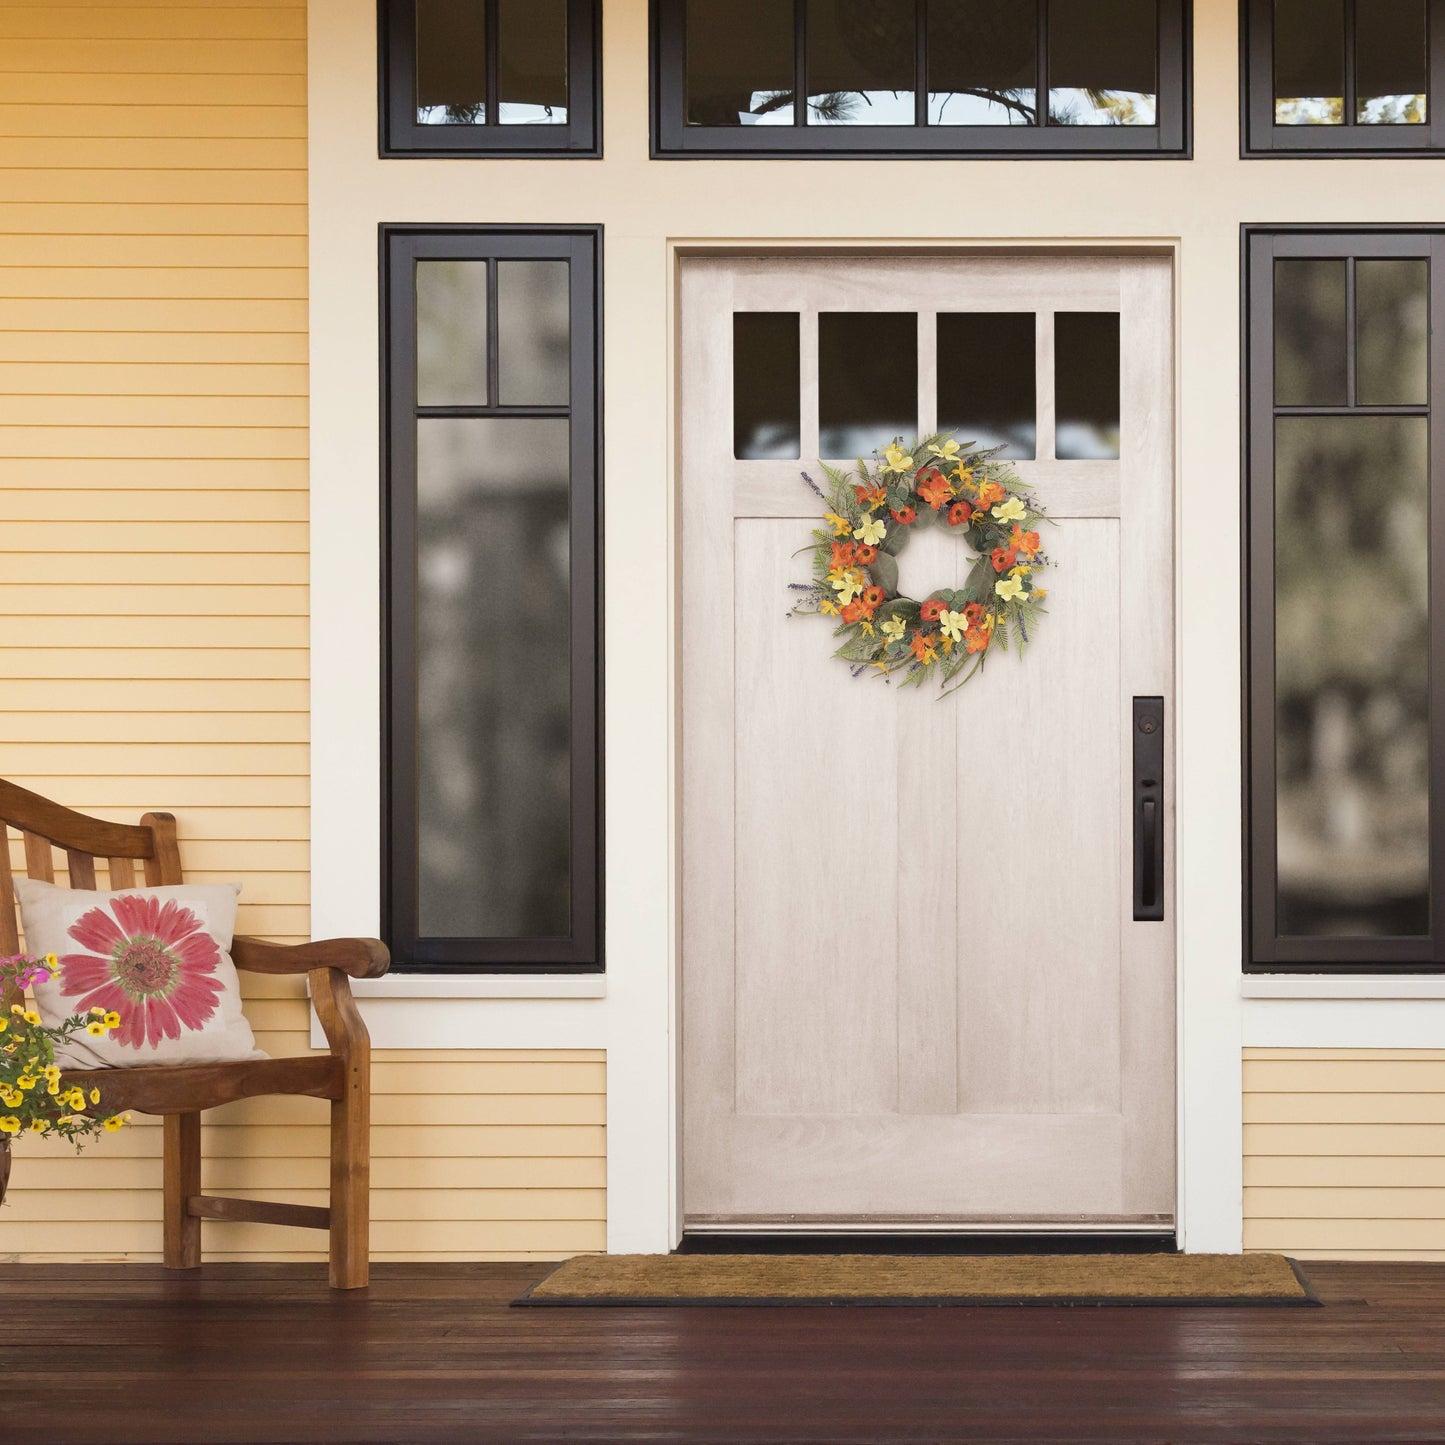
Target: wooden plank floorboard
(262, 1352)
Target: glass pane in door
(987, 380)
(1086, 385)
(867, 381)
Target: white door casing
(913, 990)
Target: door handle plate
(1148, 809)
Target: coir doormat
(869, 1279)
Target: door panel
(913, 990)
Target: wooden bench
(180, 1094)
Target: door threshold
(991, 1241)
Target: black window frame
(399, 134)
(401, 247)
(1260, 137)
(1265, 951)
(673, 139)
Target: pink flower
(152, 962)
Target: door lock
(1148, 809)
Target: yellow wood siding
(153, 605)
(1344, 1152)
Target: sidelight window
(491, 790)
(943, 77)
(1346, 691)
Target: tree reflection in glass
(1351, 676)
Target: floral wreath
(948, 634)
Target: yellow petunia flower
(871, 532)
(51, 1071)
(113, 1123)
(97, 1012)
(40, 1126)
(96, 1030)
(1011, 510)
(1009, 588)
(27, 1081)
(897, 460)
(953, 625)
(95, 1096)
(31, 1017)
(17, 1008)
(947, 450)
(893, 629)
(111, 1020)
(9, 1124)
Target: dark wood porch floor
(431, 1352)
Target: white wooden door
(869, 1038)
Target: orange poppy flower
(904, 516)
(1026, 544)
(865, 556)
(923, 647)
(873, 598)
(855, 611)
(932, 610)
(973, 614)
(959, 514)
(1003, 558)
(933, 487)
(844, 555)
(989, 493)
(976, 639)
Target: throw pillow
(159, 957)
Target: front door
(915, 992)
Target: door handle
(1148, 809)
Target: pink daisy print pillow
(159, 957)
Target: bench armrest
(356, 957)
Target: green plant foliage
(868, 517)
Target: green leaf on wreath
(884, 571)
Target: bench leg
(182, 1145)
(351, 1178)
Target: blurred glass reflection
(451, 62)
(1103, 62)
(861, 62)
(533, 333)
(867, 381)
(451, 333)
(1309, 62)
(493, 689)
(1352, 634)
(1391, 65)
(987, 380)
(983, 62)
(740, 62)
(1310, 344)
(767, 402)
(531, 62)
(1392, 332)
(1086, 385)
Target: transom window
(489, 77)
(861, 77)
(1328, 77)
(1346, 682)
